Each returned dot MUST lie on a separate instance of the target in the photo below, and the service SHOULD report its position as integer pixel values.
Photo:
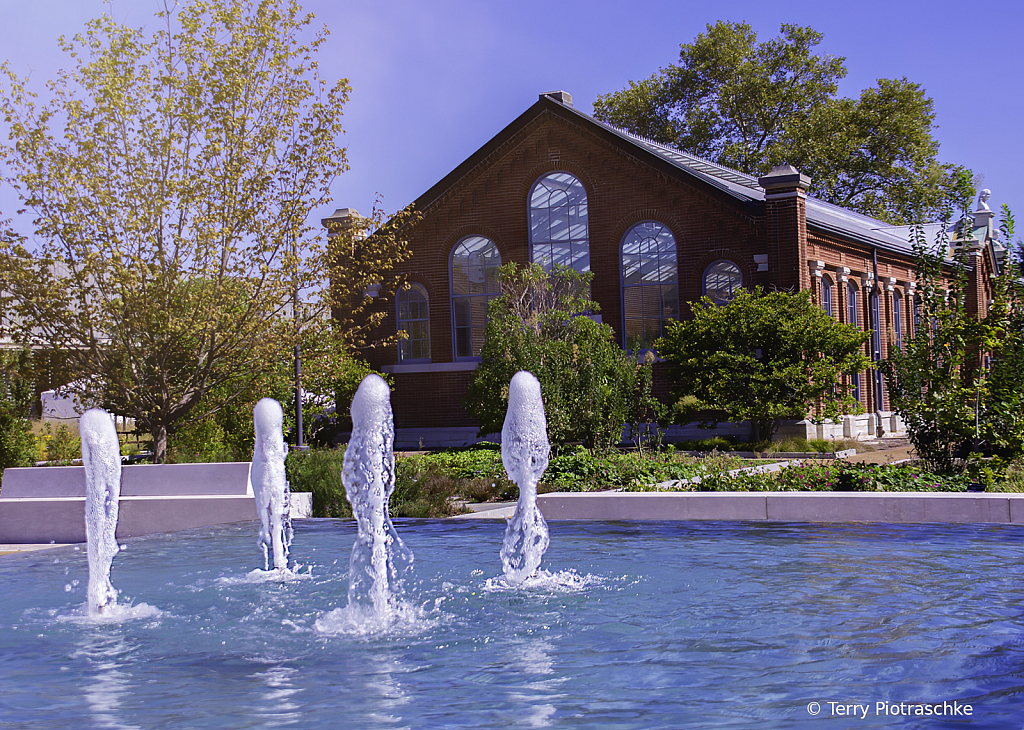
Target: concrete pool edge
(887, 507)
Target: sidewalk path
(884, 455)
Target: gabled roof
(738, 188)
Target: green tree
(590, 386)
(17, 394)
(331, 376)
(959, 382)
(751, 105)
(172, 177)
(762, 357)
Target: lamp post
(298, 445)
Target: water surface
(635, 625)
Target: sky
(433, 80)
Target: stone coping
(882, 507)
(220, 478)
(62, 519)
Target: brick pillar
(976, 303)
(817, 269)
(909, 293)
(785, 205)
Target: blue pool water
(638, 625)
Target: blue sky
(434, 80)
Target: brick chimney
(785, 205)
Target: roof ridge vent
(562, 97)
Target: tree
(331, 376)
(959, 383)
(762, 357)
(17, 393)
(590, 386)
(751, 105)
(171, 178)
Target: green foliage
(762, 357)
(424, 487)
(171, 176)
(953, 405)
(752, 105)
(436, 484)
(17, 443)
(1002, 424)
(62, 444)
(319, 471)
(330, 375)
(590, 386)
(581, 470)
(827, 476)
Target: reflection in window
(414, 319)
(474, 271)
(650, 288)
(826, 295)
(721, 281)
(875, 310)
(897, 319)
(558, 223)
(852, 318)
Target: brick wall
(491, 199)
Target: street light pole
(298, 445)
(298, 400)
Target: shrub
(590, 386)
(63, 445)
(17, 443)
(761, 358)
(423, 488)
(319, 471)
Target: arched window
(474, 282)
(897, 318)
(826, 296)
(414, 319)
(559, 232)
(650, 283)
(852, 318)
(875, 311)
(721, 281)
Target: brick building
(659, 228)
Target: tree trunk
(159, 433)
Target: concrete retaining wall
(44, 504)
(893, 507)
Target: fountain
(671, 624)
(380, 561)
(101, 456)
(524, 452)
(269, 484)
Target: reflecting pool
(634, 625)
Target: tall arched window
(826, 296)
(414, 319)
(852, 318)
(474, 282)
(875, 309)
(897, 318)
(721, 281)
(559, 232)
(650, 283)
